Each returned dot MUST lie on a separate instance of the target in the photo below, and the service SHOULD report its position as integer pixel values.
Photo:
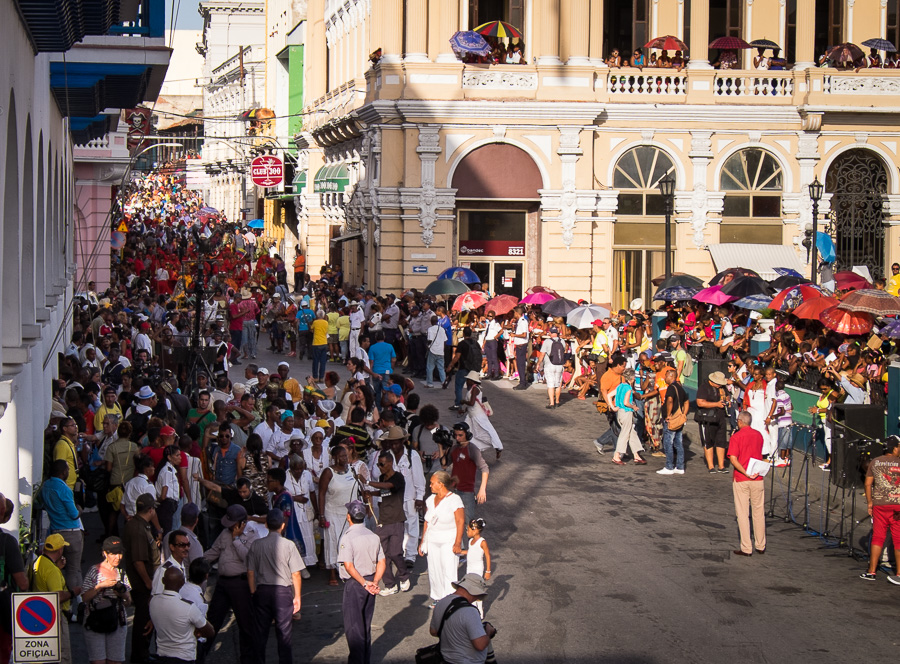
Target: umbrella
(498, 29)
(542, 289)
(787, 281)
(877, 302)
(256, 223)
(880, 45)
(584, 316)
(734, 272)
(469, 42)
(713, 295)
(468, 301)
(754, 302)
(446, 287)
(502, 304)
(891, 330)
(847, 280)
(812, 309)
(846, 322)
(844, 53)
(792, 297)
(743, 286)
(462, 274)
(825, 247)
(787, 272)
(538, 298)
(209, 210)
(764, 43)
(667, 43)
(676, 293)
(559, 307)
(729, 43)
(678, 279)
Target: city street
(596, 562)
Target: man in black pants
(520, 341)
(391, 487)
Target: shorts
(785, 438)
(553, 375)
(713, 435)
(102, 647)
(884, 517)
(334, 339)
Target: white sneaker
(667, 471)
(304, 573)
(678, 472)
(404, 585)
(389, 591)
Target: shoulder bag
(678, 418)
(432, 654)
(104, 616)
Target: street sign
(267, 171)
(420, 269)
(122, 228)
(35, 627)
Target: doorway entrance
(492, 244)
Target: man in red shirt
(236, 324)
(749, 489)
(466, 461)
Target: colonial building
(548, 172)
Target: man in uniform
(362, 566)
(141, 561)
(176, 621)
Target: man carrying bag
(463, 638)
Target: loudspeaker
(850, 461)
(855, 421)
(708, 366)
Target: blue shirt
(622, 391)
(448, 328)
(380, 355)
(305, 316)
(59, 503)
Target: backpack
(688, 368)
(557, 353)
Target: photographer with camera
(105, 593)
(464, 638)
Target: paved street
(596, 562)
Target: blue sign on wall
(420, 269)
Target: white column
(700, 154)
(848, 12)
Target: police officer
(362, 566)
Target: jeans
(319, 361)
(275, 603)
(611, 435)
(378, 389)
(249, 338)
(434, 360)
(458, 385)
(673, 447)
(490, 354)
(73, 553)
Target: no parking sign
(35, 627)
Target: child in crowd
(478, 556)
(783, 413)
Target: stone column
(596, 33)
(806, 34)
(391, 15)
(575, 31)
(699, 35)
(416, 31)
(547, 23)
(448, 24)
(316, 52)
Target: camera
(120, 587)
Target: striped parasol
(498, 29)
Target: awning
(299, 181)
(331, 179)
(344, 238)
(761, 258)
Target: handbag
(103, 617)
(706, 416)
(488, 409)
(432, 654)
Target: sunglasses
(182, 545)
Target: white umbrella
(582, 317)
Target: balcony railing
(647, 84)
(150, 21)
(741, 84)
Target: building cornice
(423, 110)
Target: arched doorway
(497, 210)
(858, 182)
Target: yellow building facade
(547, 172)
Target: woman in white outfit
(484, 436)
(755, 402)
(301, 486)
(442, 537)
(337, 487)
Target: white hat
(278, 295)
(637, 303)
(145, 393)
(284, 364)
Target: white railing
(647, 84)
(742, 85)
(101, 143)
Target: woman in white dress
(316, 454)
(442, 537)
(484, 436)
(755, 402)
(337, 487)
(302, 488)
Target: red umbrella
(812, 309)
(870, 300)
(469, 301)
(729, 43)
(667, 43)
(847, 322)
(847, 280)
(794, 296)
(502, 304)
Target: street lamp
(667, 189)
(815, 194)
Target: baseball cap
(233, 515)
(356, 509)
(113, 545)
(167, 431)
(472, 583)
(263, 371)
(190, 510)
(396, 389)
(597, 322)
(144, 502)
(55, 542)
(554, 330)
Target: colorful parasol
(498, 29)
(538, 298)
(502, 304)
(713, 295)
(463, 274)
(667, 43)
(869, 300)
(812, 309)
(794, 296)
(756, 302)
(847, 280)
(733, 272)
(469, 301)
(846, 322)
(468, 41)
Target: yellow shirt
(319, 329)
(65, 449)
(343, 324)
(332, 318)
(48, 578)
(600, 341)
(893, 285)
(103, 412)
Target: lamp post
(667, 189)
(815, 194)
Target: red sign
(267, 171)
(476, 248)
(138, 121)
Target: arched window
(637, 177)
(752, 180)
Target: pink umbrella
(538, 298)
(469, 301)
(713, 295)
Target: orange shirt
(300, 263)
(609, 381)
(661, 385)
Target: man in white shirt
(179, 545)
(266, 430)
(435, 338)
(390, 320)
(138, 485)
(520, 341)
(410, 466)
(176, 620)
(356, 320)
(492, 332)
(142, 339)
